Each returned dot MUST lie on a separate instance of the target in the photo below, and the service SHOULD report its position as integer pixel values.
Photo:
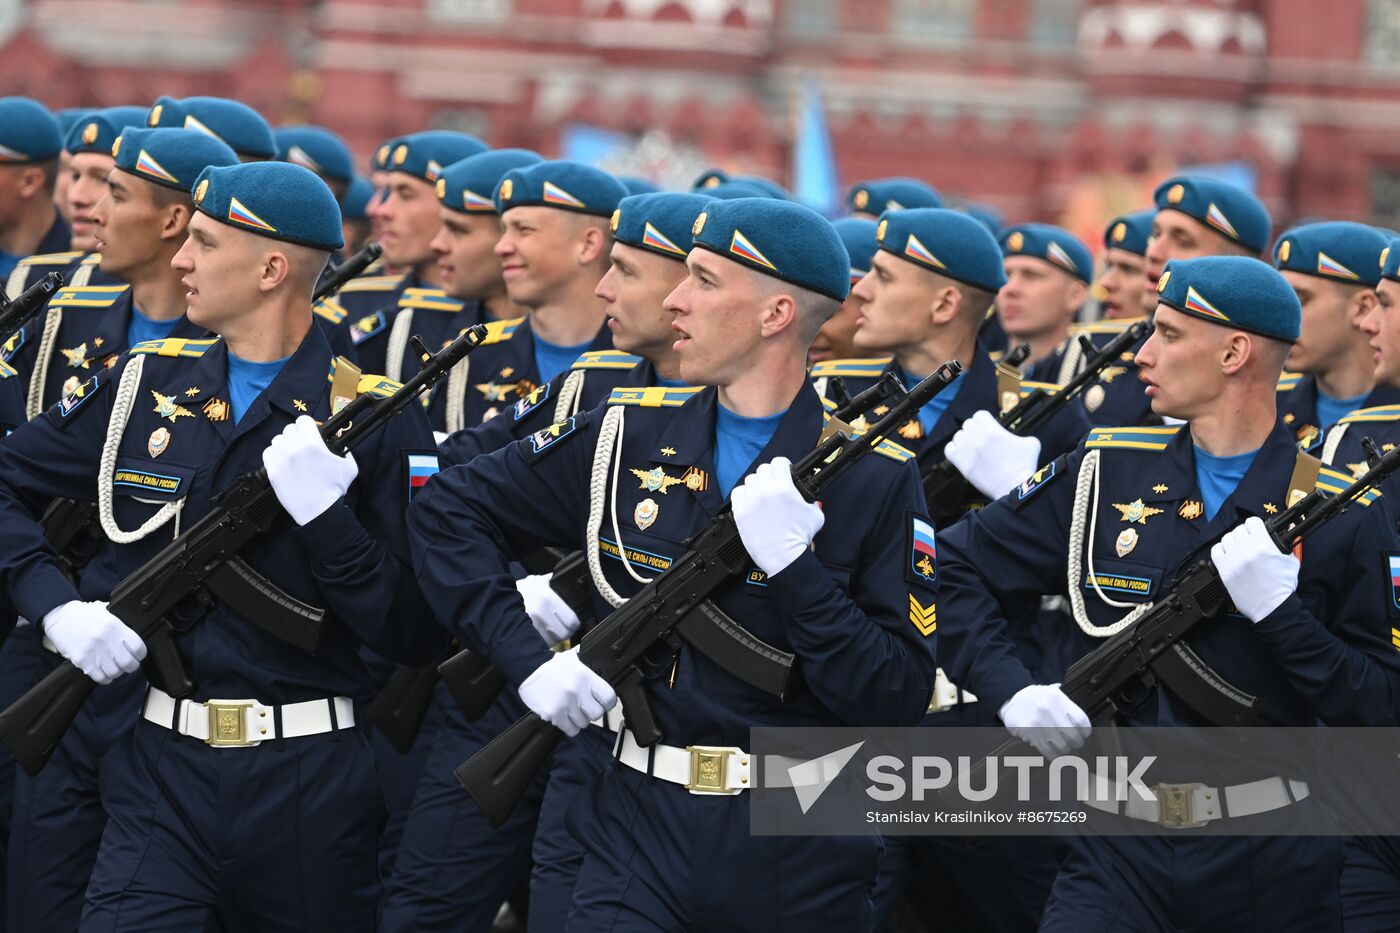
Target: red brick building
(1051, 109)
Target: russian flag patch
(421, 468)
(923, 550)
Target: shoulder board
(6, 370)
(873, 366)
(996, 355)
(373, 283)
(1115, 326)
(1132, 438)
(91, 259)
(56, 259)
(378, 386)
(329, 309)
(87, 296)
(606, 359)
(1028, 386)
(431, 299)
(1289, 381)
(1378, 413)
(1336, 482)
(653, 396)
(175, 346)
(501, 331)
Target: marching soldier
(1122, 281)
(320, 150)
(354, 211)
(763, 276)
(836, 339)
(232, 122)
(30, 144)
(1048, 272)
(867, 200)
(1341, 447)
(230, 825)
(1153, 502)
(1333, 268)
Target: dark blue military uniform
(357, 303)
(1116, 398)
(77, 268)
(1150, 526)
(1297, 406)
(177, 810)
(843, 607)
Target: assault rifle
(203, 565)
(349, 269)
(676, 605)
(26, 305)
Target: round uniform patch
(612, 222)
(116, 146)
(90, 134)
(382, 155)
(1094, 398)
(1175, 194)
(880, 231)
(1285, 249)
(1120, 232)
(862, 198)
(441, 188)
(699, 224)
(1162, 282)
(1015, 242)
(507, 188)
(156, 111)
(401, 154)
(201, 191)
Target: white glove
(97, 642)
(991, 457)
(1256, 573)
(306, 476)
(1042, 715)
(566, 693)
(775, 523)
(551, 616)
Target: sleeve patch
(543, 440)
(924, 618)
(420, 467)
(1037, 479)
(76, 399)
(367, 326)
(532, 401)
(923, 551)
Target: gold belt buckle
(1175, 809)
(709, 770)
(228, 727)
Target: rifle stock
(351, 268)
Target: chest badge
(695, 479)
(216, 409)
(1093, 398)
(655, 479)
(76, 357)
(298, 404)
(1270, 508)
(1127, 540)
(1136, 513)
(158, 442)
(166, 407)
(70, 385)
(911, 430)
(1191, 509)
(644, 515)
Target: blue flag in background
(814, 180)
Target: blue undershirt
(143, 328)
(8, 261)
(551, 359)
(1217, 477)
(672, 383)
(1331, 410)
(247, 380)
(936, 406)
(738, 441)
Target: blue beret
(273, 199)
(1234, 291)
(1129, 232)
(635, 185)
(770, 188)
(467, 185)
(317, 148)
(943, 241)
(28, 132)
(1230, 210)
(858, 234)
(355, 203)
(659, 222)
(892, 194)
(67, 116)
(729, 190)
(97, 130)
(1055, 245)
(425, 155)
(779, 238)
(570, 186)
(236, 124)
(984, 214)
(169, 157)
(1339, 250)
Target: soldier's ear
(1363, 302)
(276, 268)
(176, 223)
(1240, 350)
(945, 305)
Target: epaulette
(378, 386)
(1132, 438)
(996, 355)
(1112, 326)
(888, 448)
(55, 259)
(431, 299)
(1378, 413)
(330, 310)
(87, 296)
(91, 260)
(1289, 381)
(372, 283)
(653, 396)
(501, 331)
(6, 370)
(1028, 386)
(1336, 482)
(606, 359)
(873, 367)
(175, 346)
